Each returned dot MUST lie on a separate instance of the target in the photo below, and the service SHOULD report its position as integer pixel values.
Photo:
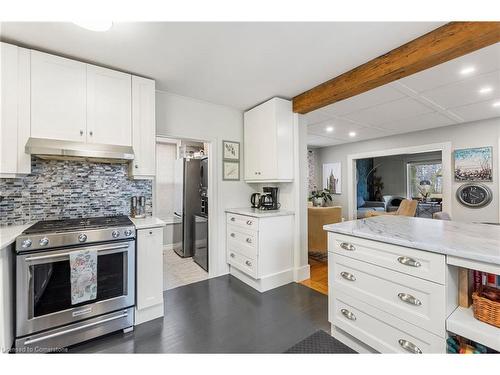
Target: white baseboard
(266, 283)
(301, 273)
(150, 313)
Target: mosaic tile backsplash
(58, 189)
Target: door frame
(444, 147)
(214, 268)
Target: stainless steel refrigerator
(187, 201)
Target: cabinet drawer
(243, 263)
(423, 264)
(243, 221)
(381, 331)
(242, 236)
(414, 300)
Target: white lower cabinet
(390, 298)
(149, 275)
(260, 250)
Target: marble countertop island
(480, 242)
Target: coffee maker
(267, 200)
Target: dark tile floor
(223, 315)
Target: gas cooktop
(69, 225)
(70, 232)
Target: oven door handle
(58, 255)
(56, 334)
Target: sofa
(368, 206)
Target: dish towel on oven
(83, 265)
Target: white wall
(181, 117)
(473, 134)
(165, 184)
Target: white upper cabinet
(143, 127)
(15, 110)
(58, 98)
(268, 142)
(109, 116)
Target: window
(430, 171)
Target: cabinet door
(149, 267)
(143, 127)
(260, 143)
(109, 113)
(15, 113)
(58, 98)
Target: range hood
(66, 149)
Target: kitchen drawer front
(381, 331)
(242, 236)
(243, 221)
(414, 300)
(243, 263)
(423, 264)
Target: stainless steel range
(45, 315)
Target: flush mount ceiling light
(95, 25)
(352, 134)
(467, 70)
(485, 90)
(329, 129)
(496, 104)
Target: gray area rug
(320, 342)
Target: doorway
(182, 196)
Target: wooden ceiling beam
(445, 43)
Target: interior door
(58, 98)
(109, 106)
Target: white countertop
(480, 242)
(255, 212)
(147, 222)
(9, 233)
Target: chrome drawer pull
(347, 246)
(248, 263)
(233, 219)
(231, 255)
(408, 298)
(409, 346)
(348, 276)
(409, 262)
(249, 240)
(349, 315)
(233, 235)
(249, 222)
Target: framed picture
(332, 177)
(474, 164)
(231, 150)
(231, 171)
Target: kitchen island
(399, 284)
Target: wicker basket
(486, 310)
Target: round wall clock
(474, 195)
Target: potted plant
(320, 197)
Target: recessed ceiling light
(485, 90)
(496, 104)
(329, 129)
(95, 25)
(352, 134)
(468, 70)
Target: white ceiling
(235, 64)
(436, 97)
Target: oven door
(43, 289)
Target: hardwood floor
(223, 315)
(319, 276)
